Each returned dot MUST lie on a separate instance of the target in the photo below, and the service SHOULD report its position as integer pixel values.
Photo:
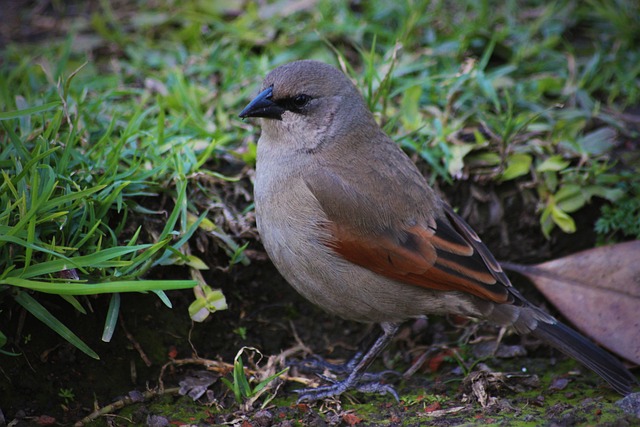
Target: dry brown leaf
(598, 290)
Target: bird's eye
(301, 100)
(295, 104)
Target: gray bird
(353, 226)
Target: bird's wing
(442, 254)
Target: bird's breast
(289, 221)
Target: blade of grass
(67, 288)
(29, 111)
(42, 314)
(112, 318)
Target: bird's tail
(583, 350)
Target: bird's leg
(315, 364)
(318, 365)
(357, 371)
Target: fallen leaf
(45, 420)
(435, 406)
(173, 352)
(438, 359)
(196, 384)
(442, 412)
(598, 290)
(482, 384)
(351, 419)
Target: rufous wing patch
(436, 257)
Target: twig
(223, 368)
(423, 358)
(135, 343)
(125, 401)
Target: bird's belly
(296, 245)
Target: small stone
(136, 396)
(157, 421)
(630, 404)
(263, 418)
(559, 384)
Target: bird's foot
(356, 377)
(318, 366)
(338, 387)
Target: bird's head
(307, 103)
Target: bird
(354, 227)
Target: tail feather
(583, 350)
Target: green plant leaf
(3, 342)
(518, 164)
(563, 220)
(611, 194)
(553, 163)
(598, 142)
(207, 301)
(570, 198)
(456, 162)
(42, 314)
(411, 118)
(74, 303)
(262, 384)
(239, 378)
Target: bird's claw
(337, 388)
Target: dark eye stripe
(296, 103)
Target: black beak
(263, 106)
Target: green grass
(120, 139)
(67, 201)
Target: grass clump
(75, 179)
(66, 209)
